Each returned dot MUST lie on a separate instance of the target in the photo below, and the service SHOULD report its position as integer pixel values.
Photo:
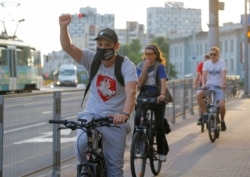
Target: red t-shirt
(199, 69)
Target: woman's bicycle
(213, 122)
(95, 165)
(144, 142)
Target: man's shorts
(219, 93)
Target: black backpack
(95, 66)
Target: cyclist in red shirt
(197, 80)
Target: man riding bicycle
(198, 82)
(107, 96)
(214, 75)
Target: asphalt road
(28, 137)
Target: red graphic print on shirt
(106, 87)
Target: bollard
(56, 136)
(1, 134)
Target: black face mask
(105, 54)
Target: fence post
(184, 93)
(173, 107)
(1, 134)
(191, 97)
(56, 136)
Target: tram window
(3, 56)
(21, 58)
(32, 58)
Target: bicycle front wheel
(212, 129)
(155, 162)
(85, 171)
(138, 154)
(217, 125)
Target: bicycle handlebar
(84, 123)
(147, 100)
(209, 88)
(58, 121)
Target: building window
(200, 52)
(226, 49)
(206, 48)
(226, 63)
(232, 65)
(231, 45)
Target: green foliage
(132, 51)
(173, 73)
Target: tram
(20, 67)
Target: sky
(41, 26)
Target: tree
(132, 50)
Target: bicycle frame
(94, 155)
(95, 164)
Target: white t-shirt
(214, 76)
(106, 94)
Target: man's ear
(117, 46)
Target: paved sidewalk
(191, 152)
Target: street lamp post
(213, 32)
(246, 83)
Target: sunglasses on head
(213, 54)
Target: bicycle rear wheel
(138, 154)
(155, 162)
(212, 129)
(202, 126)
(201, 122)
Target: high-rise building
(173, 20)
(84, 26)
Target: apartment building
(173, 20)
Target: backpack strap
(118, 69)
(95, 66)
(93, 70)
(157, 77)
